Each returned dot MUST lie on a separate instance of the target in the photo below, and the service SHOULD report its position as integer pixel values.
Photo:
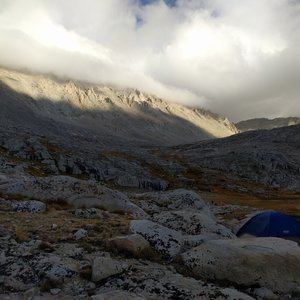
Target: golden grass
(39, 225)
(21, 234)
(288, 203)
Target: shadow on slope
(147, 126)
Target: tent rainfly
(271, 224)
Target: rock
(154, 281)
(26, 267)
(104, 267)
(180, 199)
(265, 293)
(114, 202)
(192, 223)
(55, 291)
(134, 244)
(89, 213)
(128, 181)
(117, 295)
(32, 206)
(54, 226)
(192, 241)
(165, 240)
(266, 262)
(80, 234)
(79, 193)
(149, 206)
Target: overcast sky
(239, 58)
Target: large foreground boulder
(156, 281)
(266, 262)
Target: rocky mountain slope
(93, 209)
(268, 157)
(47, 104)
(264, 123)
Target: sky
(239, 58)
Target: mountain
(94, 201)
(268, 157)
(264, 123)
(46, 104)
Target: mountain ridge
(265, 123)
(125, 113)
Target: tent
(271, 223)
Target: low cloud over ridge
(238, 58)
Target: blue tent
(271, 223)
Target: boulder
(264, 262)
(104, 267)
(89, 213)
(134, 244)
(154, 281)
(32, 206)
(149, 206)
(165, 240)
(80, 234)
(55, 292)
(180, 199)
(192, 222)
(79, 193)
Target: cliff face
(123, 114)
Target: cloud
(238, 58)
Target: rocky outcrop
(180, 199)
(179, 215)
(166, 241)
(47, 270)
(32, 206)
(78, 193)
(266, 262)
